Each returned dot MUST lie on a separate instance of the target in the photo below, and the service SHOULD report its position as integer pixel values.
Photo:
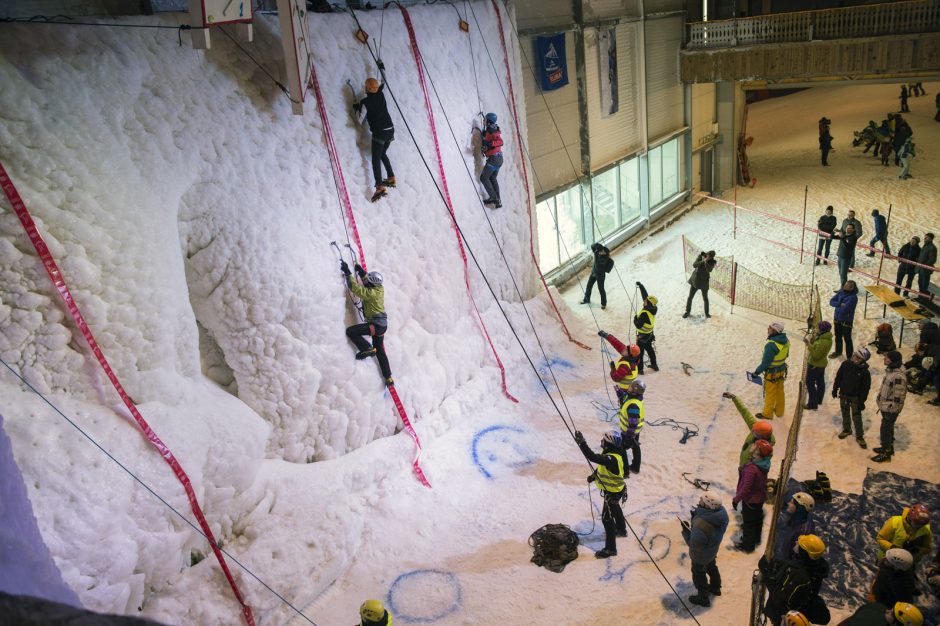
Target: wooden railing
(896, 18)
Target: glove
(602, 333)
(578, 437)
(637, 283)
(381, 65)
(344, 268)
(591, 478)
(934, 580)
(910, 546)
(728, 394)
(613, 365)
(734, 504)
(835, 394)
(359, 270)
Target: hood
(763, 464)
(845, 294)
(715, 517)
(779, 338)
(825, 335)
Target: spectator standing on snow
(851, 386)
(700, 278)
(773, 366)
(851, 219)
(644, 322)
(624, 371)
(881, 232)
(890, 402)
(845, 255)
(602, 266)
(609, 476)
(826, 224)
(911, 252)
(903, 98)
(843, 303)
(937, 101)
(751, 493)
(825, 146)
(905, 156)
(819, 342)
(382, 130)
(928, 256)
(703, 534)
(491, 144)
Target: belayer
(491, 145)
(382, 129)
(372, 295)
(609, 476)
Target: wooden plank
(896, 303)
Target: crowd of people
(894, 134)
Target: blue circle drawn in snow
(445, 578)
(475, 451)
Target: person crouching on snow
(624, 370)
(372, 295)
(751, 493)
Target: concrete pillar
(726, 150)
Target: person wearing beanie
(843, 303)
(819, 343)
(774, 367)
(751, 493)
(644, 321)
(890, 402)
(756, 429)
(851, 386)
(703, 534)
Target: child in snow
(492, 147)
(756, 429)
(751, 493)
(372, 295)
(884, 338)
(382, 129)
(851, 386)
(624, 371)
(890, 401)
(644, 321)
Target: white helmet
(804, 500)
(374, 278)
(927, 363)
(899, 559)
(637, 388)
(710, 501)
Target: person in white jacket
(890, 401)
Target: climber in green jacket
(372, 295)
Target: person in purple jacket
(751, 493)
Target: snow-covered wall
(191, 215)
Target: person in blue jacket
(881, 233)
(703, 534)
(844, 316)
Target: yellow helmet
(372, 610)
(908, 614)
(812, 544)
(795, 618)
(372, 85)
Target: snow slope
(177, 192)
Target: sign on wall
(607, 65)
(553, 64)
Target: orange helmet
(634, 350)
(764, 447)
(372, 85)
(918, 514)
(762, 429)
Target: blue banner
(553, 64)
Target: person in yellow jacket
(373, 613)
(773, 366)
(372, 295)
(909, 530)
(609, 477)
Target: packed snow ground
(176, 192)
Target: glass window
(548, 235)
(670, 154)
(629, 191)
(606, 204)
(570, 226)
(654, 158)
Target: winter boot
(861, 443)
(844, 434)
(884, 456)
(389, 382)
(700, 600)
(685, 315)
(585, 302)
(489, 201)
(389, 182)
(715, 591)
(365, 354)
(605, 553)
(380, 192)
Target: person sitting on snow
(895, 581)
(876, 614)
(884, 339)
(372, 295)
(795, 520)
(623, 372)
(909, 530)
(794, 584)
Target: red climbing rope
(344, 194)
(525, 175)
(19, 207)
(448, 202)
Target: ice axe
(687, 369)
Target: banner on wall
(553, 64)
(607, 64)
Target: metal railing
(895, 18)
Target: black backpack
(610, 265)
(554, 546)
(820, 489)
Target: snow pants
(612, 518)
(600, 287)
(705, 577)
(851, 415)
(905, 271)
(380, 142)
(774, 400)
(489, 174)
(884, 241)
(824, 242)
(631, 444)
(688, 302)
(752, 522)
(923, 280)
(356, 334)
(844, 265)
(844, 333)
(645, 343)
(887, 429)
(905, 167)
(815, 386)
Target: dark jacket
(701, 274)
(825, 141)
(827, 223)
(893, 586)
(646, 312)
(794, 586)
(881, 225)
(852, 381)
(847, 244)
(602, 261)
(928, 255)
(909, 251)
(844, 303)
(854, 222)
(491, 140)
(377, 111)
(704, 534)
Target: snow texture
(191, 215)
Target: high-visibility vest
(783, 351)
(624, 416)
(608, 481)
(624, 382)
(647, 327)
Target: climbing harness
(689, 429)
(698, 483)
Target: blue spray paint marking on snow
(554, 364)
(424, 596)
(495, 446)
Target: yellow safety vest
(783, 351)
(647, 327)
(629, 378)
(624, 424)
(609, 482)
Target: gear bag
(555, 545)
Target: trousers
(357, 333)
(774, 399)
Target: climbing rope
(689, 429)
